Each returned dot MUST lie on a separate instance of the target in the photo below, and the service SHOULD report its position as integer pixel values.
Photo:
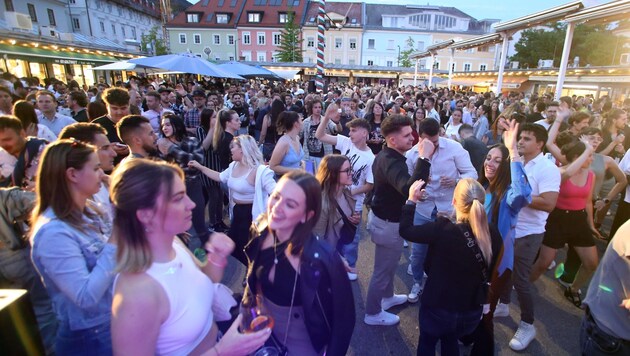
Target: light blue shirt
(450, 160)
(57, 123)
(77, 268)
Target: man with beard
(242, 110)
(137, 133)
(192, 116)
(155, 110)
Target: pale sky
(488, 9)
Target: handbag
(348, 230)
(471, 242)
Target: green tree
(290, 49)
(151, 39)
(594, 45)
(403, 59)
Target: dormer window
(192, 17)
(283, 17)
(223, 18)
(254, 17)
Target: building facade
(207, 29)
(260, 24)
(343, 36)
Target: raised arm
(212, 174)
(264, 128)
(568, 171)
(321, 132)
(553, 133)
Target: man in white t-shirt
(550, 115)
(361, 158)
(155, 110)
(544, 178)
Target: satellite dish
(207, 51)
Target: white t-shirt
(361, 162)
(543, 123)
(543, 176)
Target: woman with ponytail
(459, 260)
(227, 124)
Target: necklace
(275, 247)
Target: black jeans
(594, 341)
(213, 195)
(445, 326)
(194, 190)
(239, 230)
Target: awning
(328, 72)
(374, 75)
(50, 56)
(288, 74)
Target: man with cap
(164, 96)
(192, 116)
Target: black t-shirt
(109, 126)
(243, 114)
(80, 116)
(477, 151)
(315, 146)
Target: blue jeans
(595, 342)
(351, 250)
(95, 341)
(446, 326)
(17, 272)
(419, 251)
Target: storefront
(24, 61)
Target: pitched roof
(208, 9)
(270, 10)
(352, 10)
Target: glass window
(338, 42)
(261, 38)
(114, 29)
(182, 38)
(51, 17)
(197, 38)
(230, 39)
(253, 17)
(102, 26)
(222, 18)
(192, 18)
(76, 24)
(216, 39)
(262, 57)
(467, 67)
(483, 67)
(31, 12)
(277, 39)
(371, 42)
(353, 43)
(310, 42)
(283, 17)
(133, 32)
(8, 4)
(246, 38)
(390, 63)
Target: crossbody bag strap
(471, 242)
(286, 333)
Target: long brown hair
(303, 230)
(223, 117)
(52, 189)
(469, 197)
(328, 176)
(131, 192)
(499, 185)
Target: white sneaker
(396, 299)
(502, 310)
(552, 265)
(524, 335)
(409, 270)
(405, 244)
(414, 294)
(383, 318)
(352, 276)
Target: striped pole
(319, 78)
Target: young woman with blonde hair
(165, 301)
(459, 259)
(249, 181)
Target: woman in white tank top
(250, 182)
(165, 300)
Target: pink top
(573, 197)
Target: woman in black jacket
(300, 279)
(458, 262)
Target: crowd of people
(124, 203)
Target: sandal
(573, 297)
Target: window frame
(51, 17)
(184, 37)
(32, 12)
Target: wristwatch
(606, 201)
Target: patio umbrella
(126, 66)
(185, 63)
(248, 71)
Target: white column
(450, 68)
(564, 61)
(504, 49)
(415, 74)
(431, 69)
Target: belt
(595, 330)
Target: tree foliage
(403, 59)
(151, 39)
(290, 49)
(594, 45)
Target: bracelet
(220, 264)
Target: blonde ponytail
(479, 225)
(469, 198)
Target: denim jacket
(77, 268)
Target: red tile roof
(208, 9)
(352, 10)
(270, 10)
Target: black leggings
(239, 230)
(213, 195)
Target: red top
(573, 197)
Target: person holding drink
(294, 277)
(166, 301)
